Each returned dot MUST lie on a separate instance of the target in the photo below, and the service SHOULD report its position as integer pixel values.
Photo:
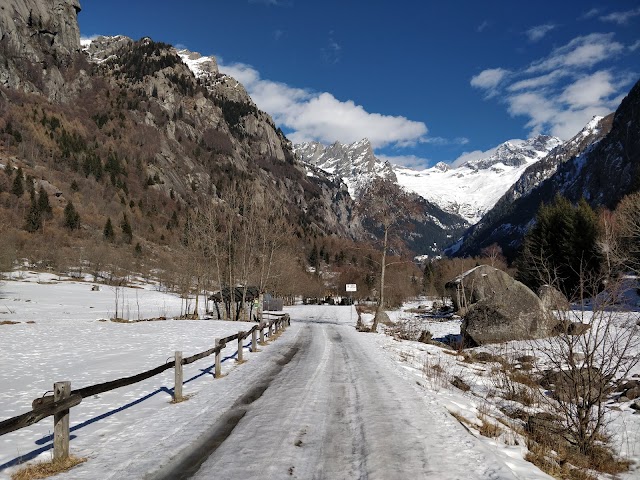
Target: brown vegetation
(47, 469)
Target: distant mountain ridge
(355, 163)
(468, 190)
(600, 164)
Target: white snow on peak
(469, 190)
(199, 64)
(356, 163)
(473, 188)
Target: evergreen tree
(313, 257)
(44, 207)
(108, 232)
(71, 217)
(561, 248)
(33, 220)
(127, 231)
(18, 184)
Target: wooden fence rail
(58, 405)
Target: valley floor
(321, 401)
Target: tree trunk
(383, 265)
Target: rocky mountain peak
(355, 163)
(200, 65)
(516, 153)
(442, 166)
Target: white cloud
(621, 18)
(588, 91)
(321, 116)
(559, 93)
(537, 82)
(482, 27)
(594, 12)
(564, 114)
(539, 31)
(332, 52)
(634, 46)
(583, 51)
(489, 79)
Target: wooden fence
(63, 398)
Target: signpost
(351, 287)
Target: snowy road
(336, 409)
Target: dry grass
(47, 469)
(554, 455)
(8, 322)
(124, 320)
(488, 428)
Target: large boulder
(497, 308)
(552, 298)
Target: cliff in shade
(601, 164)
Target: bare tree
(597, 346)
(388, 207)
(628, 227)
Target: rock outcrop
(498, 308)
(552, 298)
(38, 37)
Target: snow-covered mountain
(468, 190)
(472, 188)
(354, 164)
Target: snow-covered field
(434, 368)
(134, 430)
(71, 341)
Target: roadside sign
(351, 287)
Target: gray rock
(498, 308)
(38, 38)
(552, 298)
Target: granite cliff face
(355, 164)
(37, 39)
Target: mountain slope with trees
(600, 164)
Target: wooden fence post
(240, 349)
(218, 368)
(61, 390)
(177, 389)
(254, 340)
(261, 333)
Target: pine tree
(108, 232)
(18, 184)
(71, 217)
(313, 257)
(43, 204)
(33, 220)
(561, 248)
(127, 231)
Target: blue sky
(424, 81)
